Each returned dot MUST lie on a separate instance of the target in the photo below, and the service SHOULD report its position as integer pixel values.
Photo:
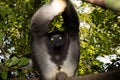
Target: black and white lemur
(55, 62)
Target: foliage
(14, 33)
(99, 36)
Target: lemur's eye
(60, 38)
(52, 39)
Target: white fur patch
(58, 6)
(50, 10)
(69, 65)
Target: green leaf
(1, 37)
(23, 61)
(14, 61)
(4, 75)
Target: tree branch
(113, 75)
